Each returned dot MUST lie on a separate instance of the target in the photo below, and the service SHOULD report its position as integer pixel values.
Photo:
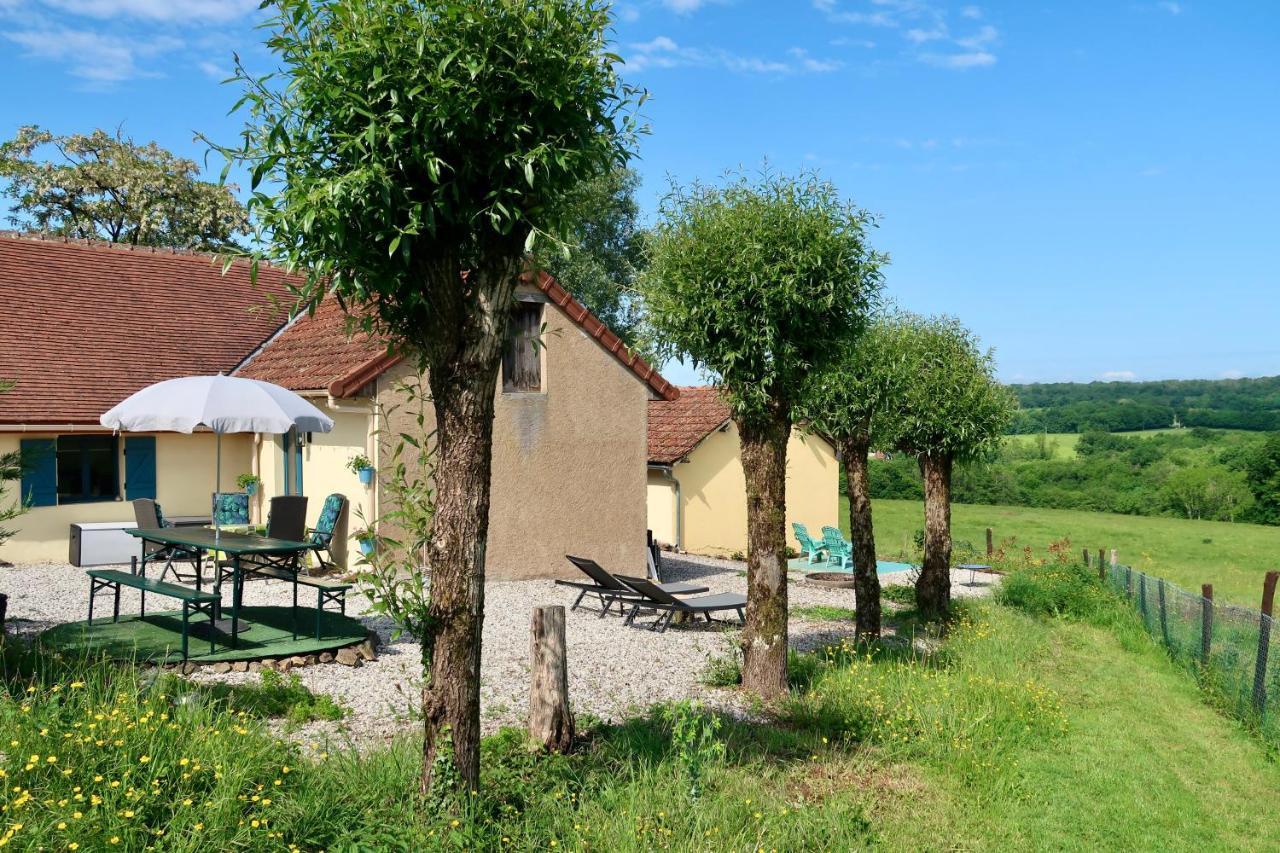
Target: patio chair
(230, 508)
(149, 516)
(808, 545)
(653, 597)
(608, 588)
(839, 549)
(287, 519)
(321, 536)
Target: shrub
(1066, 589)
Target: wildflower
(73, 846)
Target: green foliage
(753, 280)
(824, 613)
(694, 741)
(1262, 473)
(358, 463)
(1060, 588)
(244, 481)
(403, 140)
(850, 397)
(953, 406)
(10, 472)
(1214, 492)
(604, 253)
(276, 696)
(904, 594)
(108, 187)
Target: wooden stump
(550, 720)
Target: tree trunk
(550, 719)
(866, 583)
(933, 589)
(764, 640)
(463, 346)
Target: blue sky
(1092, 186)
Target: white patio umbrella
(220, 403)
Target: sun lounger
(606, 586)
(653, 597)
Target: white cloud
(177, 11)
(973, 13)
(665, 52)
(960, 61)
(97, 57)
(1231, 374)
(923, 23)
(627, 12)
(1171, 8)
(684, 7)
(1118, 376)
(919, 36)
(214, 70)
(982, 37)
(813, 65)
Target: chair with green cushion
(321, 536)
(839, 549)
(808, 545)
(230, 508)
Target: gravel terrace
(614, 671)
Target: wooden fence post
(550, 720)
(1102, 566)
(1086, 558)
(991, 543)
(1206, 624)
(1115, 558)
(1164, 620)
(1264, 643)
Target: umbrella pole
(217, 500)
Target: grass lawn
(1233, 557)
(1063, 443)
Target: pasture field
(1233, 557)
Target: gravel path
(614, 671)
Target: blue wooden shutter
(39, 471)
(140, 467)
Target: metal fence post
(1142, 596)
(1206, 624)
(1164, 620)
(1264, 644)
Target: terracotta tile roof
(85, 324)
(677, 426)
(315, 353)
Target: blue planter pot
(366, 547)
(366, 476)
(251, 489)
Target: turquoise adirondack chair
(839, 549)
(808, 545)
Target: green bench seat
(192, 600)
(327, 591)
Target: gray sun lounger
(606, 586)
(653, 597)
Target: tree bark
(866, 583)
(463, 346)
(550, 719)
(933, 588)
(764, 640)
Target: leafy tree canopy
(405, 136)
(755, 280)
(108, 187)
(953, 405)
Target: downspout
(670, 474)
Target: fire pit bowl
(830, 580)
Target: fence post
(1086, 558)
(1206, 624)
(1115, 558)
(550, 720)
(1164, 621)
(1102, 571)
(1128, 582)
(991, 544)
(1264, 643)
(1142, 596)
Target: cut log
(550, 720)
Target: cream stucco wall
(661, 501)
(713, 491)
(184, 485)
(568, 463)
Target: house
(85, 325)
(569, 432)
(696, 486)
(569, 442)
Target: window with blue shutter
(39, 471)
(140, 467)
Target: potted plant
(367, 539)
(249, 483)
(361, 466)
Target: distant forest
(1252, 404)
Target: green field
(1233, 557)
(1063, 443)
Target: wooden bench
(327, 591)
(192, 600)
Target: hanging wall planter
(366, 476)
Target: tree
(952, 410)
(1208, 491)
(847, 402)
(604, 251)
(754, 281)
(106, 186)
(1262, 473)
(413, 151)
(10, 471)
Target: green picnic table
(280, 554)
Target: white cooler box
(101, 543)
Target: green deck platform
(158, 638)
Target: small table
(236, 546)
(974, 568)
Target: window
(88, 468)
(521, 354)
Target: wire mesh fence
(1233, 651)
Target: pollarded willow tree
(753, 281)
(950, 410)
(850, 403)
(404, 155)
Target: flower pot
(251, 489)
(366, 476)
(366, 546)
